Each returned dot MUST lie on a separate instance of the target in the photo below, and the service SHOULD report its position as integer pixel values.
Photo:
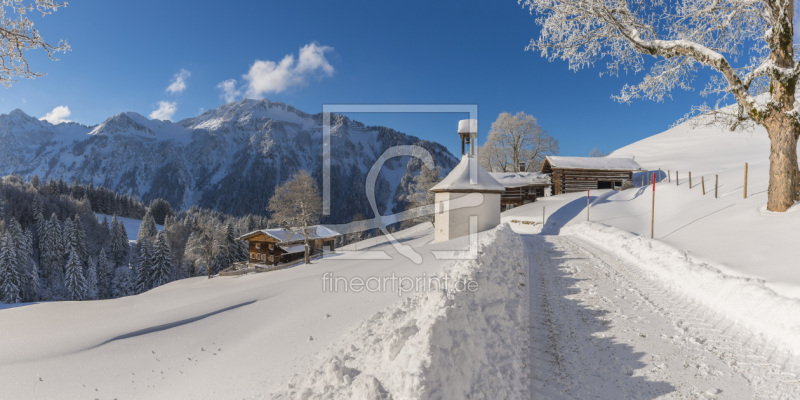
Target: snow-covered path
(601, 329)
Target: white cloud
(58, 115)
(165, 110)
(229, 90)
(274, 77)
(178, 85)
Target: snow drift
(441, 344)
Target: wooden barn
(279, 245)
(576, 174)
(521, 187)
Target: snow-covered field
(244, 337)
(709, 309)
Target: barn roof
(595, 163)
(520, 179)
(286, 235)
(458, 179)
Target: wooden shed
(521, 187)
(280, 245)
(577, 174)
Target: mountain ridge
(229, 159)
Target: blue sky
(126, 54)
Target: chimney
(468, 131)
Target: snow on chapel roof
(459, 178)
(601, 163)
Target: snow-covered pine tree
(37, 206)
(91, 278)
(10, 291)
(123, 282)
(105, 274)
(228, 251)
(74, 280)
(80, 239)
(147, 229)
(120, 247)
(69, 238)
(144, 277)
(51, 250)
(161, 262)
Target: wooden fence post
(653, 212)
(690, 179)
(703, 181)
(543, 215)
(588, 204)
(745, 180)
(716, 185)
(669, 176)
(677, 179)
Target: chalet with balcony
(280, 245)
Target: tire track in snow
(699, 328)
(600, 329)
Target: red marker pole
(653, 214)
(588, 205)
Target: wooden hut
(521, 187)
(576, 174)
(279, 245)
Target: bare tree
(748, 42)
(516, 140)
(297, 205)
(421, 196)
(597, 153)
(19, 36)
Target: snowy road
(601, 329)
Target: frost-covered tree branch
(748, 43)
(18, 35)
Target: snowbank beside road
(769, 316)
(443, 344)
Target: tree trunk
(308, 257)
(783, 131)
(782, 127)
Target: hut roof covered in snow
(288, 236)
(520, 179)
(590, 163)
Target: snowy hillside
(737, 234)
(235, 337)
(131, 225)
(228, 159)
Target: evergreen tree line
(100, 199)
(52, 247)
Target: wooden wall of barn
(579, 180)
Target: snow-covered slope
(242, 337)
(229, 159)
(131, 225)
(736, 234)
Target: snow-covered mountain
(229, 159)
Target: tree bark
(783, 168)
(783, 127)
